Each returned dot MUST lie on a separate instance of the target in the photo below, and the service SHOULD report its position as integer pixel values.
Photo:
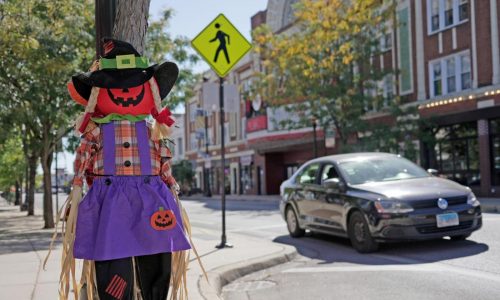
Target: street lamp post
(315, 148)
(208, 192)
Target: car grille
(434, 229)
(432, 203)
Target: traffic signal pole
(223, 242)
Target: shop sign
(246, 160)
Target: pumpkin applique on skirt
(125, 216)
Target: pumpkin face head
(163, 219)
(137, 100)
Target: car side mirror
(334, 184)
(433, 172)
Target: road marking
(258, 228)
(407, 264)
(203, 222)
(422, 267)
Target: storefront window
(457, 153)
(495, 151)
(246, 178)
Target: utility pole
(57, 181)
(315, 147)
(223, 242)
(105, 13)
(208, 192)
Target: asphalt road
(328, 268)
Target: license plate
(446, 220)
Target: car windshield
(379, 169)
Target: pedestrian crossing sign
(221, 45)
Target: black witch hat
(123, 67)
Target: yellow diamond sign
(221, 45)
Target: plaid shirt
(90, 155)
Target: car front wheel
(462, 237)
(359, 234)
(292, 223)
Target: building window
(193, 141)
(448, 12)
(436, 72)
(463, 10)
(443, 14)
(466, 75)
(450, 74)
(179, 145)
(457, 153)
(193, 107)
(388, 92)
(434, 14)
(386, 41)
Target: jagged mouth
(126, 102)
(163, 224)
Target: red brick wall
(483, 38)
(431, 42)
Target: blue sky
(191, 16)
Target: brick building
(454, 73)
(203, 138)
(447, 54)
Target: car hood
(414, 189)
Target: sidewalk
(490, 205)
(234, 197)
(23, 247)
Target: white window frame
(382, 41)
(444, 73)
(193, 141)
(442, 26)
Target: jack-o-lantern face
(137, 100)
(163, 219)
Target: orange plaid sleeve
(85, 154)
(165, 170)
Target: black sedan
(376, 197)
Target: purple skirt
(125, 216)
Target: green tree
(160, 46)
(323, 65)
(183, 173)
(12, 165)
(43, 44)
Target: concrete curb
(217, 198)
(490, 208)
(223, 275)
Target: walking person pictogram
(221, 36)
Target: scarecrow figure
(129, 224)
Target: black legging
(115, 277)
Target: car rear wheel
(359, 234)
(292, 223)
(462, 237)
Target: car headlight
(392, 207)
(472, 200)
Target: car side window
(309, 174)
(328, 172)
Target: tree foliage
(161, 46)
(42, 43)
(323, 64)
(12, 162)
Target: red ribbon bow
(163, 117)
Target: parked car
(376, 197)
